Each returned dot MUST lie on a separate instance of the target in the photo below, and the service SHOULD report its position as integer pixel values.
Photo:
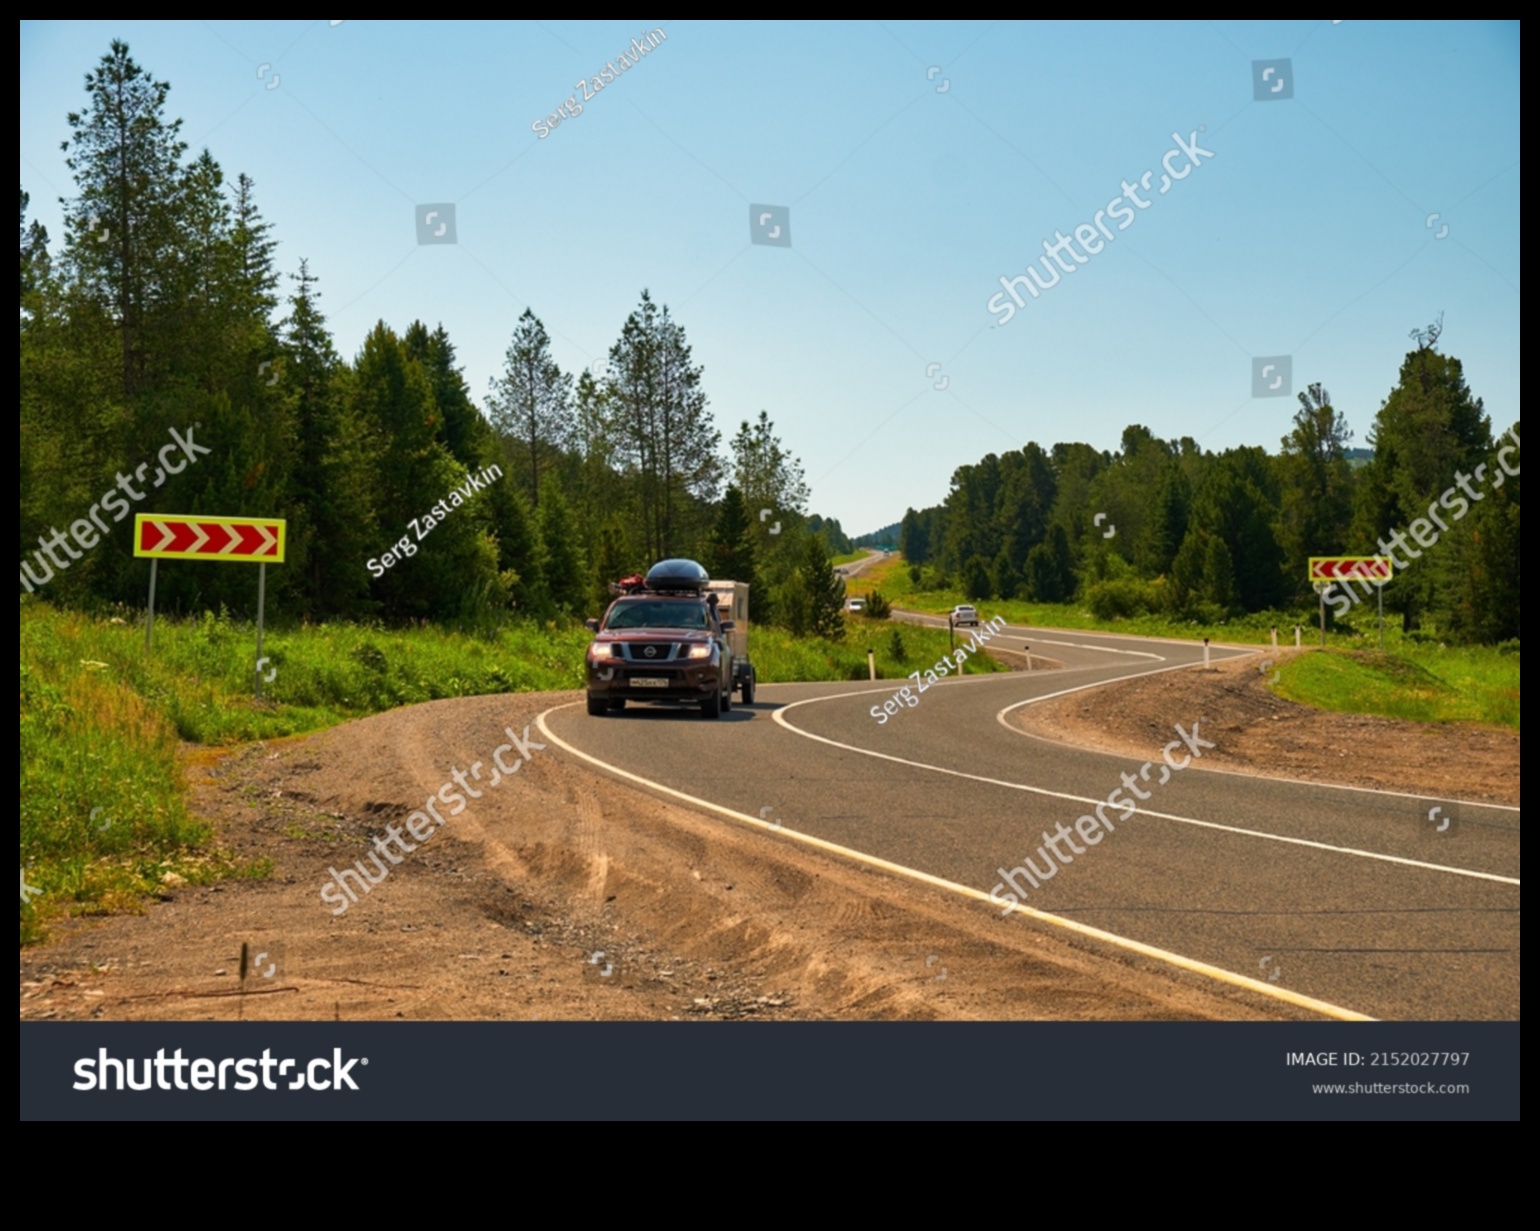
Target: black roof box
(677, 575)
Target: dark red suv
(661, 640)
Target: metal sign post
(184, 536)
(1327, 571)
(261, 607)
(149, 624)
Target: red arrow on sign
(1354, 568)
(257, 540)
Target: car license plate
(647, 681)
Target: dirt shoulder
(1259, 732)
(561, 895)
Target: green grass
(849, 557)
(1420, 683)
(781, 658)
(103, 810)
(1415, 678)
(891, 576)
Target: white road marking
(1325, 1008)
(1075, 645)
(1166, 816)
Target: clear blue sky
(919, 162)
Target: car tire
(617, 703)
(727, 698)
(711, 707)
(597, 706)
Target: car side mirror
(727, 626)
(591, 625)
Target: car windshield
(653, 613)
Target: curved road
(1342, 896)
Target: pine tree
(1218, 574)
(612, 561)
(456, 569)
(530, 404)
(825, 590)
(565, 577)
(665, 439)
(767, 474)
(520, 548)
(34, 250)
(1428, 427)
(1167, 526)
(1478, 559)
(123, 229)
(913, 541)
(730, 552)
(1317, 510)
(333, 530)
(462, 430)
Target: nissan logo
(651, 651)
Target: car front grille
(665, 651)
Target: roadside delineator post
(871, 663)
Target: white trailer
(733, 604)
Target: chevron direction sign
(248, 540)
(1377, 569)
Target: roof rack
(666, 577)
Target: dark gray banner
(786, 1071)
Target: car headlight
(699, 651)
(602, 649)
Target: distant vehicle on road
(964, 614)
(856, 604)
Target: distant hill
(886, 537)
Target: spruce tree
(530, 404)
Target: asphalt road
(1345, 896)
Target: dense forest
(161, 329)
(1163, 526)
(163, 317)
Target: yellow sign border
(141, 518)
